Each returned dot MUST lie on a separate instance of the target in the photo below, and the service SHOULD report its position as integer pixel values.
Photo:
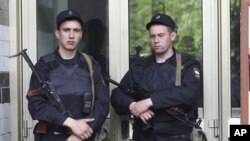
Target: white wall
(4, 87)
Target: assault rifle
(46, 86)
(140, 94)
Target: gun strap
(178, 70)
(91, 72)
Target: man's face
(69, 35)
(161, 38)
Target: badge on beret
(196, 73)
(70, 13)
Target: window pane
(235, 56)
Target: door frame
(224, 70)
(15, 70)
(119, 52)
(210, 68)
(29, 41)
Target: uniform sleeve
(119, 99)
(184, 95)
(38, 105)
(101, 106)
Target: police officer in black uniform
(157, 75)
(69, 72)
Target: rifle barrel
(29, 62)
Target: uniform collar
(72, 61)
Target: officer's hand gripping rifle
(131, 92)
(46, 86)
(140, 94)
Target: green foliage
(235, 24)
(186, 13)
(235, 36)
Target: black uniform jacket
(39, 107)
(158, 79)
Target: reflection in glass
(94, 33)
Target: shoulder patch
(196, 73)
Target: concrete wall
(4, 72)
